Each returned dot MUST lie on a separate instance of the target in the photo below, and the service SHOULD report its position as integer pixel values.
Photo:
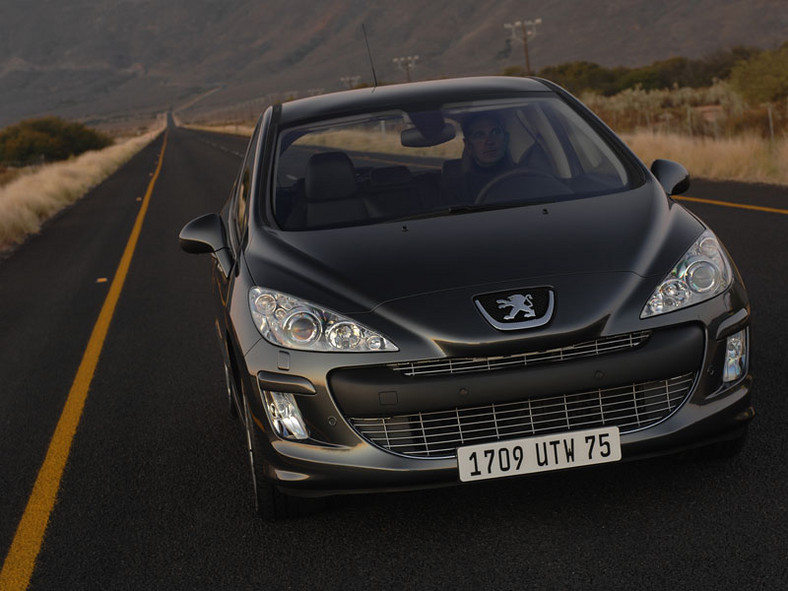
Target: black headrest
(329, 175)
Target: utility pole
(526, 28)
(406, 64)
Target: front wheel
(269, 503)
(231, 398)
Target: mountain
(108, 59)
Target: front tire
(269, 503)
(231, 398)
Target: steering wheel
(509, 186)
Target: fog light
(284, 415)
(735, 356)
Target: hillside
(103, 59)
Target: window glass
(244, 183)
(398, 164)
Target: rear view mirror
(673, 177)
(205, 234)
(429, 129)
(415, 138)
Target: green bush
(676, 72)
(47, 139)
(740, 91)
(764, 77)
(578, 77)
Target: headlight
(702, 273)
(297, 324)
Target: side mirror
(205, 234)
(673, 177)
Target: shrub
(47, 139)
(36, 194)
(580, 77)
(764, 77)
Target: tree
(764, 77)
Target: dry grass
(38, 194)
(746, 159)
(9, 174)
(244, 130)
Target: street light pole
(525, 49)
(527, 28)
(406, 64)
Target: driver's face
(486, 141)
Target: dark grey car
(459, 280)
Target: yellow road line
(21, 559)
(729, 204)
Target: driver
(485, 156)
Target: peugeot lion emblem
(518, 303)
(517, 309)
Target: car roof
(416, 95)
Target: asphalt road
(156, 493)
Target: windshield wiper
(434, 213)
(460, 209)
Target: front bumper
(313, 470)
(338, 459)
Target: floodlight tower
(406, 64)
(521, 30)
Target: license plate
(539, 454)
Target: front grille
(601, 346)
(438, 434)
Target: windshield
(395, 165)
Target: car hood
(358, 269)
